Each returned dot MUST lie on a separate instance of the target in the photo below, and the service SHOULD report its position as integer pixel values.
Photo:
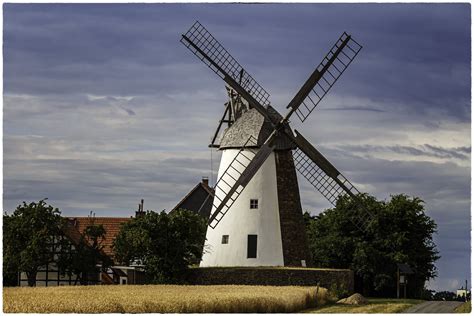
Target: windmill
(256, 218)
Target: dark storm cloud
(414, 55)
(354, 108)
(103, 105)
(424, 150)
(110, 185)
(458, 152)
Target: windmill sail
(309, 162)
(202, 44)
(324, 76)
(237, 175)
(325, 178)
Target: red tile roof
(111, 226)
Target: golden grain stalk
(161, 299)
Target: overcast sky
(103, 106)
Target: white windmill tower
(257, 188)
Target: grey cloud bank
(103, 105)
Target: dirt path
(434, 307)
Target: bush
(166, 244)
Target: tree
(10, 264)
(400, 233)
(166, 244)
(84, 261)
(27, 237)
(427, 294)
(445, 296)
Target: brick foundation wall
(343, 279)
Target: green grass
(375, 305)
(464, 308)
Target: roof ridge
(208, 188)
(184, 198)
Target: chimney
(140, 211)
(205, 181)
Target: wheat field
(162, 299)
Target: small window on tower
(253, 204)
(225, 239)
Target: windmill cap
(252, 123)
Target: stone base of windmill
(276, 276)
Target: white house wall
(241, 221)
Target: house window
(225, 239)
(253, 204)
(252, 246)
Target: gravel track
(434, 307)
